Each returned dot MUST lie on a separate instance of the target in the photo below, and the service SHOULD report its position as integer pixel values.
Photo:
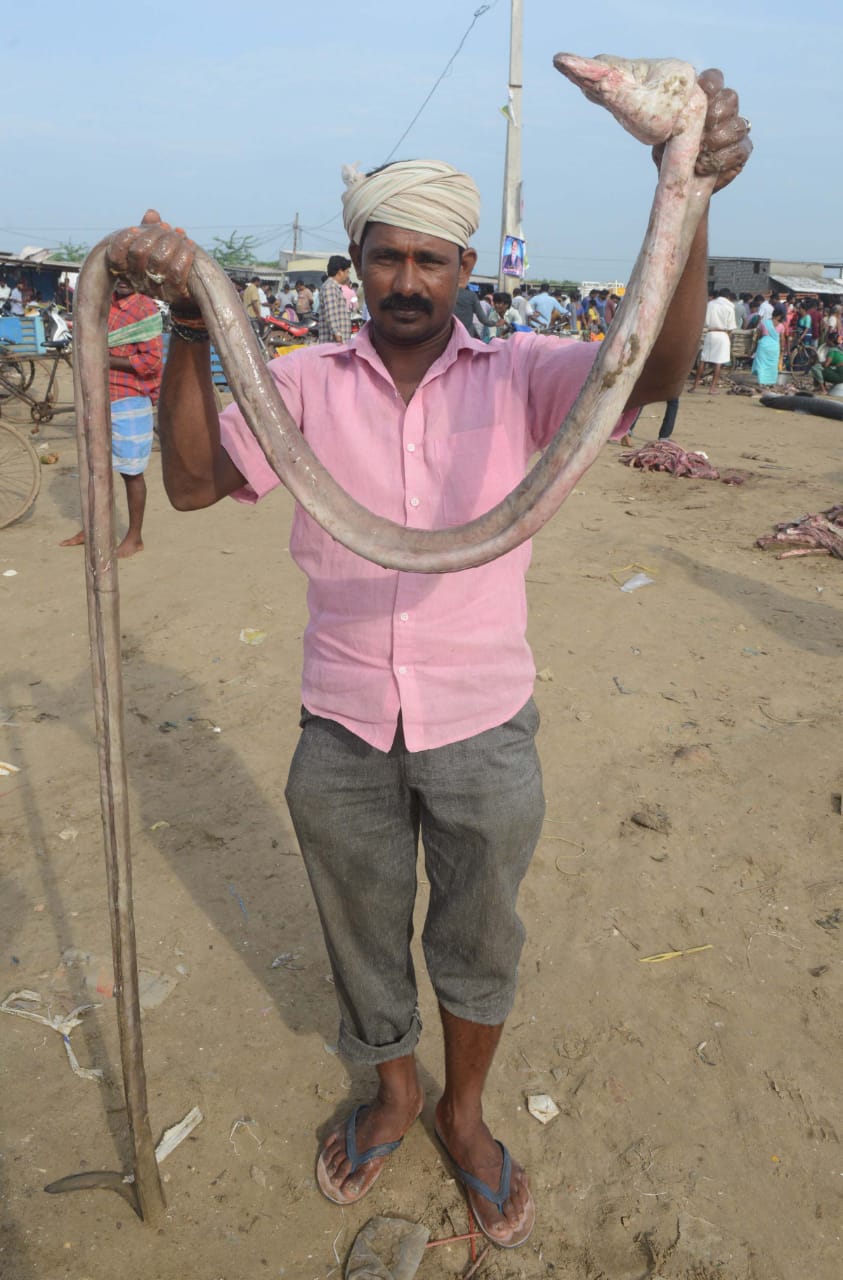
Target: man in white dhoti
(716, 351)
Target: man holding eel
(417, 712)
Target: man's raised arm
(197, 470)
(725, 149)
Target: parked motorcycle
(284, 331)
(58, 331)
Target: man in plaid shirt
(334, 315)
(135, 362)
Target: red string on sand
(470, 1235)
(473, 1233)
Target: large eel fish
(657, 101)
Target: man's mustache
(399, 302)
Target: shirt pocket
(475, 470)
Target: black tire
(819, 406)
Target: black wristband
(188, 333)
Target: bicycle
(18, 373)
(801, 357)
(20, 475)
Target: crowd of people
(492, 314)
(332, 307)
(14, 295)
(781, 325)
(335, 308)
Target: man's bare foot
(129, 547)
(78, 540)
(385, 1121)
(473, 1149)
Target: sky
(237, 117)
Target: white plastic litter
(173, 1136)
(542, 1107)
(63, 1025)
(177, 1133)
(637, 580)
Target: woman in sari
(765, 364)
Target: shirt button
(411, 448)
(414, 502)
(402, 671)
(404, 617)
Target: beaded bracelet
(189, 332)
(192, 319)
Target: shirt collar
(362, 346)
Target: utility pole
(296, 233)
(511, 213)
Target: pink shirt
(449, 651)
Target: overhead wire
(275, 234)
(323, 224)
(478, 13)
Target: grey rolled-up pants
(358, 812)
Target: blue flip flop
(357, 1158)
(497, 1198)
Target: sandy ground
(700, 1116)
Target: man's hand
(725, 146)
(155, 258)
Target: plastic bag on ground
(387, 1249)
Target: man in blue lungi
(135, 361)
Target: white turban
(418, 195)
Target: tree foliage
(234, 250)
(69, 251)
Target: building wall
(741, 275)
(753, 275)
(816, 270)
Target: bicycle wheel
(20, 475)
(20, 373)
(800, 361)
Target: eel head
(648, 97)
